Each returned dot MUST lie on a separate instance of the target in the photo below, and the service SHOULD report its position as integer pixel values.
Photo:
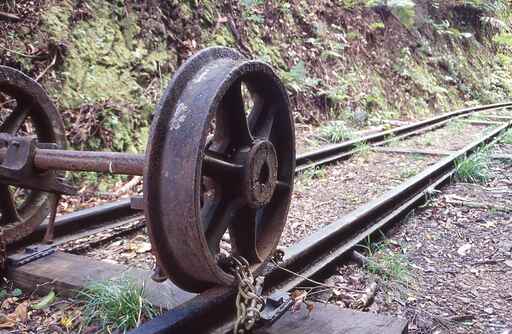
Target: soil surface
(338, 189)
(455, 259)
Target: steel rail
(311, 256)
(119, 209)
(345, 149)
(83, 219)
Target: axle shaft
(89, 161)
(109, 162)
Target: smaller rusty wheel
(26, 110)
(220, 157)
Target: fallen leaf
(45, 301)
(66, 322)
(21, 312)
(8, 302)
(143, 247)
(464, 249)
(16, 292)
(489, 310)
(7, 321)
(508, 263)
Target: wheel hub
(260, 174)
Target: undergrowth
(473, 169)
(335, 132)
(386, 262)
(116, 305)
(312, 173)
(507, 138)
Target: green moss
(56, 20)
(267, 53)
(222, 36)
(100, 58)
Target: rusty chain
(249, 301)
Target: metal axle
(106, 162)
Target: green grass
(507, 138)
(473, 169)
(456, 126)
(313, 173)
(408, 172)
(427, 140)
(386, 262)
(363, 149)
(335, 132)
(116, 305)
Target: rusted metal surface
(17, 167)
(102, 162)
(234, 173)
(35, 107)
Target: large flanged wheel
(26, 110)
(220, 157)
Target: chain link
(249, 302)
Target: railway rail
(222, 169)
(108, 215)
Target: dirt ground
(455, 256)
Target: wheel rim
(248, 162)
(33, 108)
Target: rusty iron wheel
(34, 114)
(216, 162)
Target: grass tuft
(389, 264)
(363, 149)
(116, 305)
(473, 169)
(313, 173)
(507, 138)
(336, 132)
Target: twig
(54, 60)
(9, 16)
(367, 298)
(18, 53)
(316, 282)
(489, 261)
(476, 205)
(129, 185)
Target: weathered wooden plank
(331, 319)
(67, 273)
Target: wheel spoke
(214, 166)
(231, 118)
(243, 234)
(282, 186)
(8, 206)
(217, 220)
(15, 119)
(261, 120)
